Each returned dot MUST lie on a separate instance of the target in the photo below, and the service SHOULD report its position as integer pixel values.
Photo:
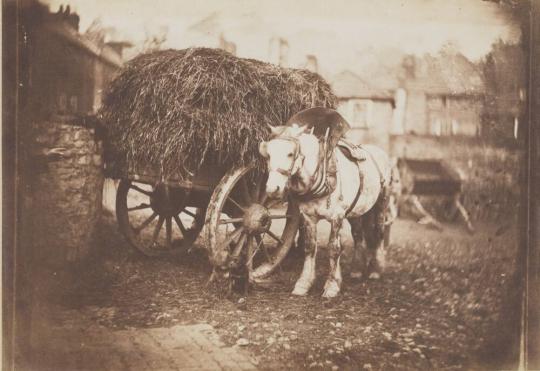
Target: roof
(105, 53)
(347, 84)
(446, 74)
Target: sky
(340, 33)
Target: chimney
(409, 67)
(311, 63)
(226, 45)
(73, 21)
(67, 17)
(279, 51)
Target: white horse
(355, 190)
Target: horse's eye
(290, 155)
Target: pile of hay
(175, 110)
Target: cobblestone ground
(66, 340)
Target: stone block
(97, 160)
(66, 138)
(79, 144)
(84, 160)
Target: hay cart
(183, 129)
(163, 217)
(430, 177)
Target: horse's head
(285, 157)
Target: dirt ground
(435, 308)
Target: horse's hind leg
(333, 282)
(309, 233)
(358, 263)
(374, 228)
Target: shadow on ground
(435, 308)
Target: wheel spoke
(186, 211)
(139, 189)
(156, 231)
(231, 220)
(262, 246)
(168, 231)
(257, 189)
(145, 223)
(264, 197)
(245, 191)
(180, 225)
(250, 253)
(236, 203)
(139, 207)
(271, 234)
(239, 245)
(283, 216)
(232, 236)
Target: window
(436, 127)
(360, 113)
(455, 127)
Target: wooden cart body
(432, 177)
(428, 177)
(215, 197)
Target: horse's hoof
(300, 290)
(331, 290)
(375, 276)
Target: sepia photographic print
(270, 185)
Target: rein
(297, 155)
(318, 184)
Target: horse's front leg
(333, 282)
(304, 283)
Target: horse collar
(318, 185)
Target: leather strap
(358, 192)
(361, 175)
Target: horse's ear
(263, 149)
(277, 130)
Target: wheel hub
(257, 219)
(166, 201)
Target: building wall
(66, 78)
(62, 80)
(442, 115)
(454, 115)
(371, 123)
(415, 113)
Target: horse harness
(359, 191)
(320, 185)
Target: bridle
(297, 157)
(318, 185)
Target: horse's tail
(393, 190)
(392, 197)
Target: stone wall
(67, 191)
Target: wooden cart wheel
(245, 227)
(156, 220)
